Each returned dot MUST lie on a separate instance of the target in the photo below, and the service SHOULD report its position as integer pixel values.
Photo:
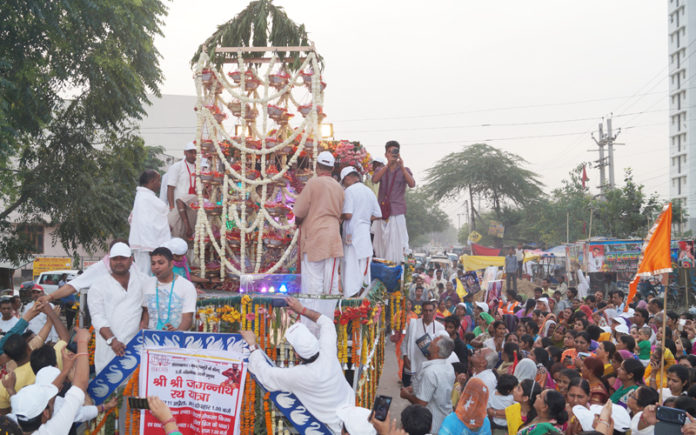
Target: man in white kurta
(360, 208)
(149, 226)
(115, 304)
(413, 357)
(318, 382)
(181, 192)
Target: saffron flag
(655, 256)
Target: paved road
(389, 384)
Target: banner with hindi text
(202, 387)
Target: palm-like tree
(260, 24)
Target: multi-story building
(682, 105)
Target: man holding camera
(391, 236)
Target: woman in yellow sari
(522, 411)
(653, 377)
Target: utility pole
(606, 140)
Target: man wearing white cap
(318, 382)
(179, 247)
(33, 404)
(360, 208)
(318, 212)
(115, 303)
(181, 191)
(149, 226)
(356, 421)
(391, 236)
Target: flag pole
(664, 337)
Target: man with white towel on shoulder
(149, 226)
(360, 208)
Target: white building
(682, 103)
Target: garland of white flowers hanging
(240, 185)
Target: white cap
(355, 419)
(47, 375)
(622, 421)
(623, 329)
(326, 158)
(348, 170)
(31, 400)
(483, 306)
(191, 146)
(605, 328)
(381, 160)
(620, 320)
(177, 246)
(304, 342)
(627, 314)
(120, 249)
(543, 300)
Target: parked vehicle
(49, 280)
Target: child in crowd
(501, 399)
(644, 345)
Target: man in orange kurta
(318, 212)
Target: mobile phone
(395, 152)
(681, 324)
(583, 355)
(138, 403)
(381, 407)
(671, 415)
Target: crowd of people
(552, 363)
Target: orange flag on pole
(655, 256)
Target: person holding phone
(391, 236)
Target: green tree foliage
(73, 76)
(623, 213)
(423, 217)
(260, 24)
(484, 171)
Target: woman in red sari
(592, 370)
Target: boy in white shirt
(501, 399)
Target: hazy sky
(530, 77)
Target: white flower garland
(239, 182)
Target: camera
(395, 152)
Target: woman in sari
(483, 321)
(469, 417)
(551, 413)
(522, 411)
(592, 370)
(653, 377)
(526, 369)
(630, 373)
(605, 352)
(578, 394)
(558, 335)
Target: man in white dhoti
(318, 212)
(391, 237)
(359, 209)
(115, 304)
(149, 226)
(181, 191)
(318, 381)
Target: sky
(534, 78)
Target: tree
(423, 217)
(259, 24)
(72, 163)
(484, 171)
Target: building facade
(682, 104)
